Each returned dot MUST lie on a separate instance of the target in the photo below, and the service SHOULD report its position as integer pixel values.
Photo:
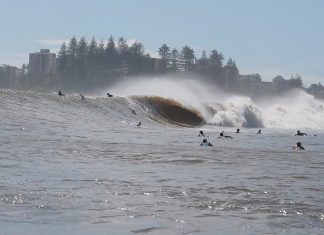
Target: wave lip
(167, 110)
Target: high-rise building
(41, 63)
(9, 76)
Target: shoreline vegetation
(81, 65)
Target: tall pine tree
(92, 56)
(111, 53)
(122, 48)
(62, 59)
(71, 53)
(174, 56)
(81, 58)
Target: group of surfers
(108, 95)
(82, 96)
(298, 145)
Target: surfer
(139, 124)
(133, 111)
(237, 130)
(82, 97)
(60, 93)
(300, 133)
(201, 133)
(109, 95)
(221, 135)
(205, 143)
(259, 132)
(299, 146)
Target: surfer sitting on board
(139, 124)
(237, 130)
(299, 146)
(201, 133)
(205, 143)
(82, 97)
(109, 95)
(259, 132)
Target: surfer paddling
(221, 135)
(300, 133)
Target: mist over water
(293, 110)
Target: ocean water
(70, 166)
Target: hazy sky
(270, 37)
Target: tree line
(82, 63)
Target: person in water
(259, 132)
(133, 111)
(221, 135)
(60, 93)
(237, 130)
(82, 97)
(201, 133)
(139, 124)
(299, 146)
(109, 95)
(205, 143)
(300, 133)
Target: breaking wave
(167, 101)
(210, 105)
(167, 110)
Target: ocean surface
(69, 166)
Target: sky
(269, 37)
